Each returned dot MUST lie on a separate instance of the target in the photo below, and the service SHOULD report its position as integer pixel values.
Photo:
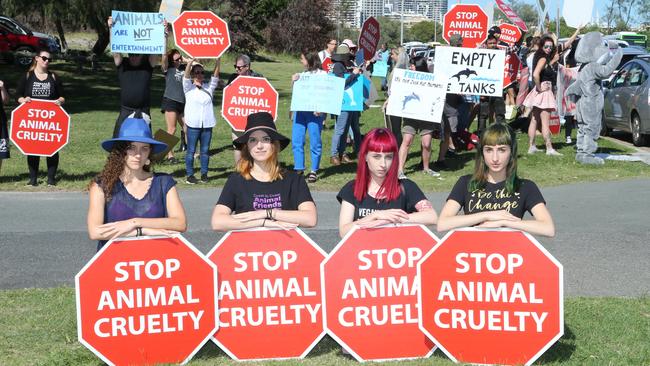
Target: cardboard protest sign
(171, 9)
(246, 95)
(370, 288)
(417, 95)
(510, 34)
(146, 300)
(201, 34)
(380, 69)
(577, 13)
(270, 303)
(142, 33)
(40, 127)
(353, 95)
(468, 20)
(369, 38)
(317, 93)
(511, 69)
(512, 15)
(491, 297)
(471, 71)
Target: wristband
(264, 223)
(138, 231)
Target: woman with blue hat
(126, 197)
(260, 193)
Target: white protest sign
(417, 95)
(577, 13)
(472, 71)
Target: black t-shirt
(234, 76)
(548, 73)
(493, 197)
(135, 84)
(409, 197)
(30, 86)
(242, 195)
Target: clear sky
(552, 5)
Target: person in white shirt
(199, 116)
(329, 50)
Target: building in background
(352, 13)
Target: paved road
(602, 238)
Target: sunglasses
(45, 58)
(547, 47)
(240, 67)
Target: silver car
(627, 101)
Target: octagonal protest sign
(201, 34)
(510, 34)
(370, 288)
(40, 127)
(468, 20)
(270, 304)
(146, 300)
(247, 95)
(491, 297)
(369, 38)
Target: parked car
(22, 42)
(429, 54)
(627, 101)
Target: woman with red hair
(377, 197)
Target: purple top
(124, 206)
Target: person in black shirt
(494, 196)
(4, 130)
(376, 196)
(134, 74)
(40, 83)
(260, 193)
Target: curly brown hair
(114, 167)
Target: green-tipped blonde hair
(496, 134)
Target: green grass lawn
(93, 103)
(39, 328)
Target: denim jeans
(307, 122)
(344, 121)
(195, 135)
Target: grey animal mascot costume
(587, 89)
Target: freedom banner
(417, 95)
(353, 95)
(142, 33)
(472, 71)
(317, 93)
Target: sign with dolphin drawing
(417, 95)
(474, 71)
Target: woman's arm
(304, 216)
(376, 218)
(175, 220)
(222, 220)
(569, 42)
(217, 68)
(538, 72)
(117, 57)
(449, 218)
(425, 214)
(541, 224)
(4, 96)
(96, 202)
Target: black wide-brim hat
(261, 121)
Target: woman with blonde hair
(260, 193)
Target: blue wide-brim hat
(135, 130)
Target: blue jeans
(344, 121)
(194, 135)
(307, 122)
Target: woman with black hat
(260, 193)
(126, 198)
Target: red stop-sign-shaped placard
(491, 297)
(201, 34)
(510, 34)
(146, 301)
(270, 303)
(468, 20)
(369, 38)
(370, 289)
(247, 95)
(40, 127)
